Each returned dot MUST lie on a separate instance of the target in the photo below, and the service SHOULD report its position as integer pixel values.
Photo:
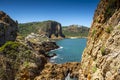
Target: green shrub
(93, 32)
(109, 29)
(12, 55)
(118, 27)
(26, 64)
(102, 50)
(94, 69)
(11, 45)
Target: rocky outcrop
(20, 61)
(59, 71)
(40, 43)
(52, 29)
(101, 58)
(25, 60)
(8, 28)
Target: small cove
(70, 50)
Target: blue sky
(66, 12)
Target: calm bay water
(70, 50)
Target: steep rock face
(101, 58)
(8, 28)
(52, 29)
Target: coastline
(75, 37)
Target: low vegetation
(32, 27)
(75, 31)
(12, 55)
(94, 69)
(109, 29)
(93, 33)
(27, 28)
(102, 50)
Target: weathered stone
(52, 29)
(59, 71)
(8, 28)
(104, 45)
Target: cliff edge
(52, 29)
(8, 28)
(101, 57)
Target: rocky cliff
(21, 59)
(50, 28)
(8, 28)
(101, 57)
(25, 60)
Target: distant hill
(75, 31)
(50, 28)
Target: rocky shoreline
(52, 70)
(27, 59)
(75, 37)
(59, 71)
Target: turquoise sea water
(70, 50)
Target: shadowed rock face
(101, 58)
(8, 28)
(52, 29)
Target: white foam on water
(73, 37)
(52, 61)
(61, 47)
(57, 49)
(68, 77)
(54, 57)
